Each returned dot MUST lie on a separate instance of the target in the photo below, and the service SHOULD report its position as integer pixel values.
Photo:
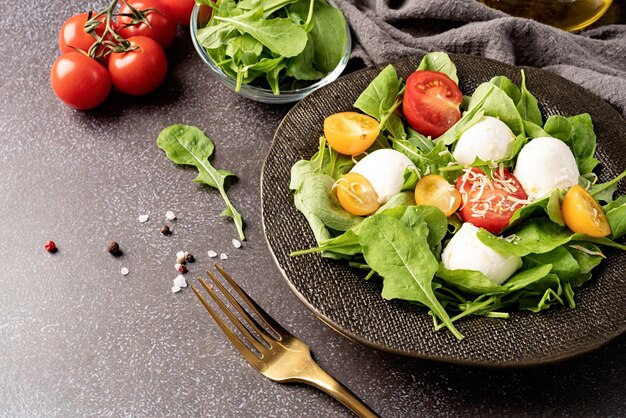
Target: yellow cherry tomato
(583, 214)
(356, 194)
(434, 190)
(350, 133)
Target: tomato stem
(103, 46)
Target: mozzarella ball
(490, 140)
(545, 164)
(466, 252)
(384, 169)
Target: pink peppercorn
(50, 246)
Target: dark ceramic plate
(340, 297)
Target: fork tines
(263, 340)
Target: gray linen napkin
(384, 30)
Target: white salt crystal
(170, 215)
(143, 218)
(175, 289)
(124, 271)
(212, 254)
(236, 243)
(180, 281)
(223, 256)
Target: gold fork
(281, 357)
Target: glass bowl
(199, 18)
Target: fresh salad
(276, 44)
(464, 205)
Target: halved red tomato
(490, 202)
(431, 102)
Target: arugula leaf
(534, 131)
(538, 235)
(528, 210)
(563, 263)
(329, 36)
(469, 281)
(419, 141)
(604, 191)
(496, 103)
(432, 162)
(380, 99)
(187, 145)
(508, 87)
(404, 260)
(616, 215)
(527, 105)
(214, 36)
(280, 35)
(301, 67)
(316, 196)
(553, 208)
(439, 61)
(558, 126)
(469, 118)
(583, 142)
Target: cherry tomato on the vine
(356, 194)
(431, 102)
(180, 9)
(490, 202)
(141, 70)
(162, 26)
(583, 214)
(72, 35)
(79, 81)
(350, 133)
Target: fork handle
(317, 377)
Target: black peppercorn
(165, 230)
(114, 248)
(189, 258)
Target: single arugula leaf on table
(188, 145)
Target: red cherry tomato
(72, 35)
(80, 81)
(139, 71)
(431, 102)
(490, 203)
(180, 9)
(162, 26)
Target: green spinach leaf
(187, 145)
(404, 260)
(439, 61)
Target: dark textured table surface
(78, 338)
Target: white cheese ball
(490, 140)
(466, 252)
(384, 169)
(545, 164)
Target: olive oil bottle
(570, 15)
